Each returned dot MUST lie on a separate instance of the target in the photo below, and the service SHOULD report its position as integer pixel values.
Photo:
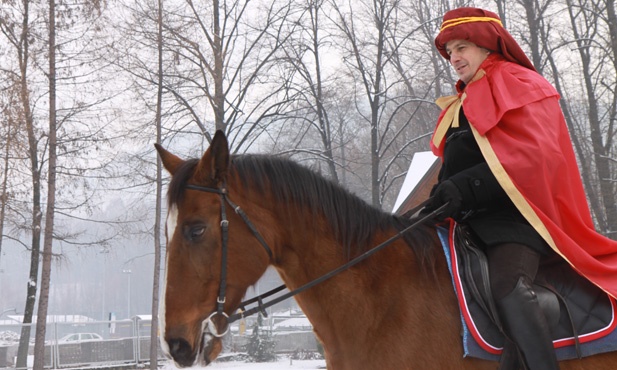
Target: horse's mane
(354, 222)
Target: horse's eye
(198, 231)
(195, 232)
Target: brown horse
(394, 310)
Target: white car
(80, 337)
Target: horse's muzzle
(186, 356)
(181, 352)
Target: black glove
(448, 193)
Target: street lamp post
(104, 252)
(128, 297)
(8, 310)
(1, 272)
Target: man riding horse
(509, 172)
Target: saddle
(577, 311)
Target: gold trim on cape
(513, 193)
(453, 104)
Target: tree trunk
(533, 21)
(217, 49)
(154, 328)
(611, 211)
(23, 52)
(41, 323)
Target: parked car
(79, 337)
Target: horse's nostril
(181, 351)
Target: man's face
(465, 57)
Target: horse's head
(200, 290)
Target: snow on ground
(283, 363)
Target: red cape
(516, 119)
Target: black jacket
(488, 210)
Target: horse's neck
(386, 296)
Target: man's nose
(454, 56)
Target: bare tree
(535, 11)
(19, 32)
(223, 50)
(41, 324)
(308, 80)
(9, 125)
(594, 51)
(42, 143)
(551, 48)
(609, 18)
(379, 47)
(364, 39)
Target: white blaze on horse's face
(172, 222)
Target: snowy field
(283, 363)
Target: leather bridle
(220, 300)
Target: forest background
(345, 87)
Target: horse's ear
(170, 161)
(215, 161)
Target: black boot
(526, 325)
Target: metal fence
(122, 343)
(81, 344)
(284, 342)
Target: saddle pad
(481, 338)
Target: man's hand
(448, 193)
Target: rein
(261, 306)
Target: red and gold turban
(483, 28)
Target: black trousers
(507, 263)
(512, 269)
